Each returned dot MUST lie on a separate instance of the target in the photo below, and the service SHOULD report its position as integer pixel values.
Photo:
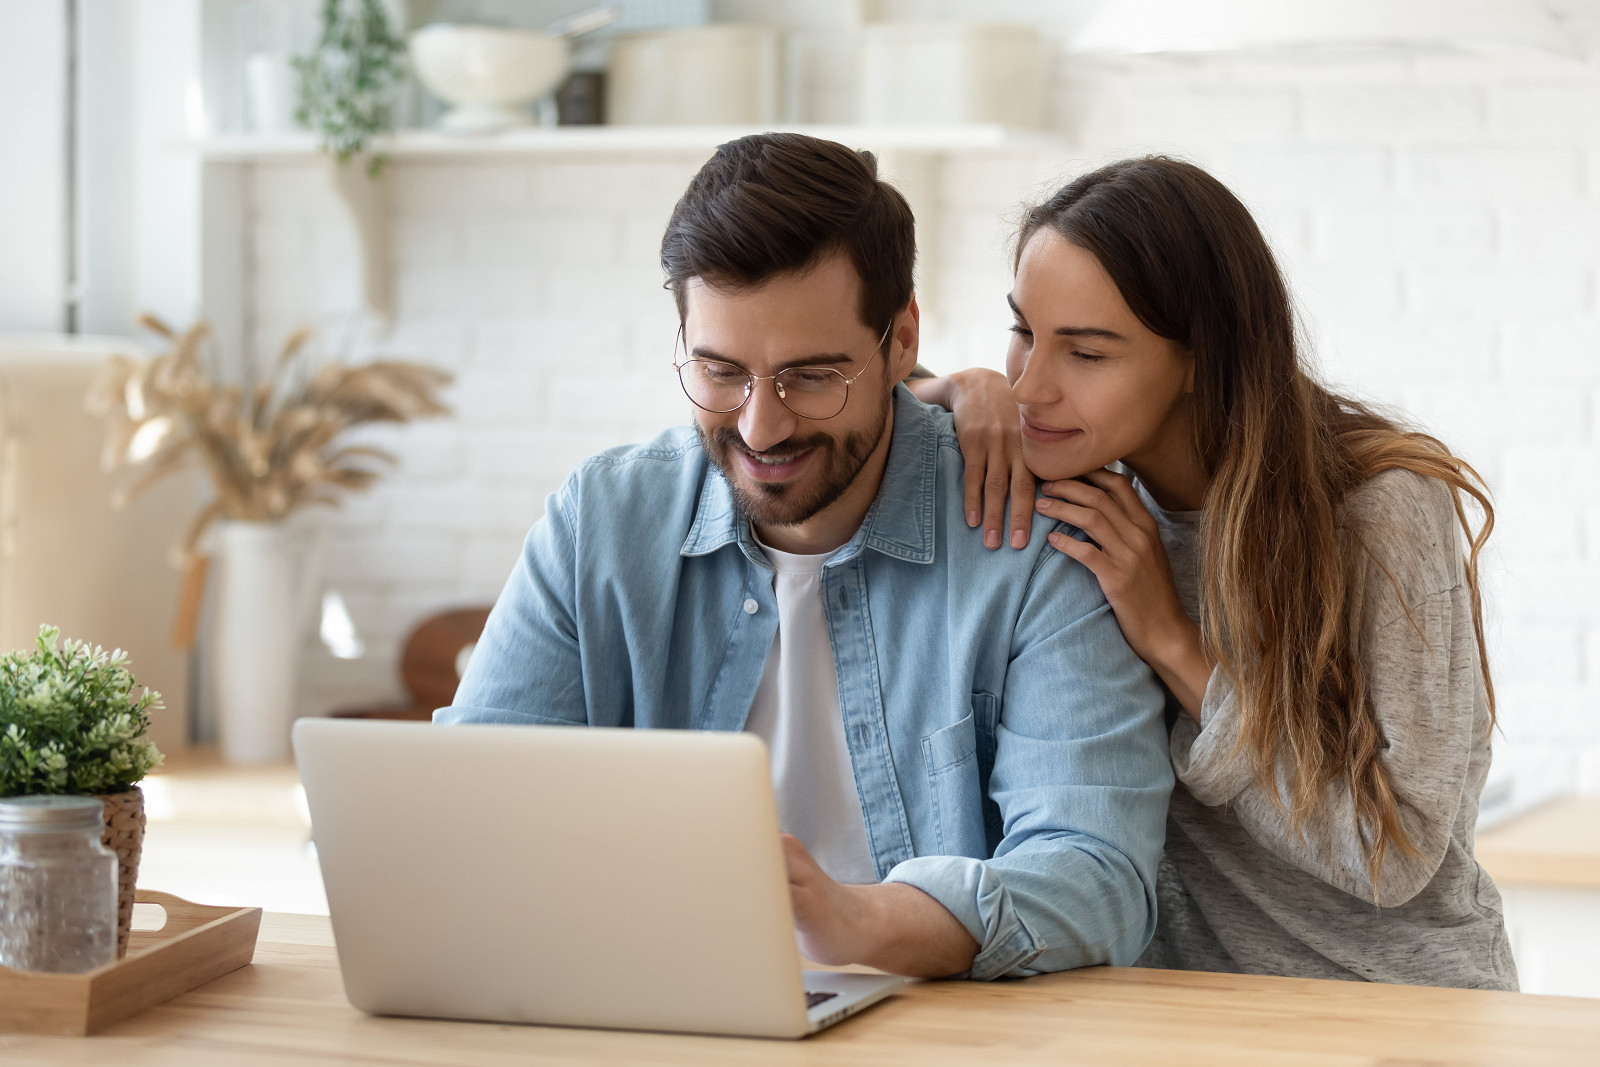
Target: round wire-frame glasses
(719, 387)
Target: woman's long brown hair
(1281, 576)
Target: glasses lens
(813, 392)
(712, 385)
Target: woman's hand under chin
(1130, 562)
(990, 432)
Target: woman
(1286, 560)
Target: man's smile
(775, 468)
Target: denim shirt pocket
(986, 706)
(951, 757)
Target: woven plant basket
(124, 835)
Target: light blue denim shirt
(1008, 746)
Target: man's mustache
(724, 437)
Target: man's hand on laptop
(893, 927)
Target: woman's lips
(775, 472)
(1047, 434)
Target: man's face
(784, 469)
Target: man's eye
(721, 373)
(810, 379)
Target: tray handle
(182, 915)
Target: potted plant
(72, 723)
(346, 97)
(272, 448)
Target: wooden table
(290, 1008)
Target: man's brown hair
(771, 203)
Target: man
(968, 759)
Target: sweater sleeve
(1423, 689)
(1425, 701)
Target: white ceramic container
(938, 73)
(271, 572)
(723, 74)
(489, 74)
(271, 82)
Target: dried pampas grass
(270, 447)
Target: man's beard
(789, 505)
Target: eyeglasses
(810, 392)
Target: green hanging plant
(70, 721)
(348, 83)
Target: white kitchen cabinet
(1547, 865)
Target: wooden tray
(197, 943)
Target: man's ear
(907, 331)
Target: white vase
(270, 575)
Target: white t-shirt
(796, 712)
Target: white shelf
(911, 157)
(622, 140)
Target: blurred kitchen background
(1428, 171)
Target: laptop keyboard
(813, 999)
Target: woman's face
(1093, 383)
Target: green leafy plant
(70, 722)
(347, 84)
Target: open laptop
(550, 874)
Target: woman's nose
(1029, 382)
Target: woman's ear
(1188, 375)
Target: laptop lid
(544, 874)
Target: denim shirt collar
(899, 523)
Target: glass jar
(58, 885)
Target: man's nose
(764, 421)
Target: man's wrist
(906, 931)
(870, 922)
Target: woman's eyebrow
(1099, 332)
(1089, 331)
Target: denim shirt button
(751, 607)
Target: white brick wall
(1439, 220)
(536, 285)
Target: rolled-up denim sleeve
(1082, 780)
(526, 668)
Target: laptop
(629, 879)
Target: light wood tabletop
(1555, 844)
(290, 1008)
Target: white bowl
(489, 74)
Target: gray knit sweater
(1239, 891)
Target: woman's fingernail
(1040, 504)
(991, 539)
(1019, 538)
(972, 518)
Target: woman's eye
(1021, 330)
(1088, 357)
